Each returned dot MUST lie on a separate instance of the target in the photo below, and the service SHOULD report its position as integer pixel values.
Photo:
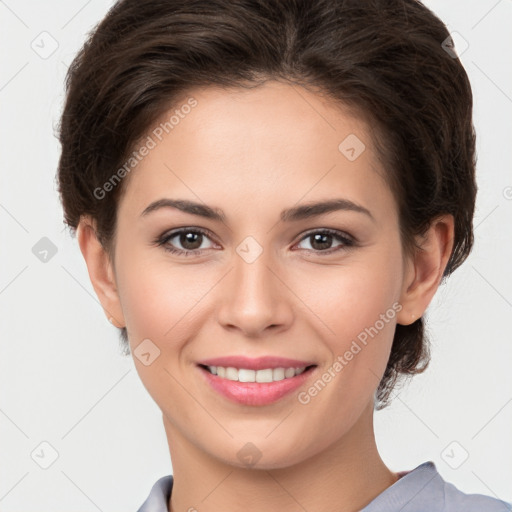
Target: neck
(345, 477)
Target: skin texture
(253, 153)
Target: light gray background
(62, 379)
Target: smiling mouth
(265, 375)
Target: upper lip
(258, 363)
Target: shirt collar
(411, 492)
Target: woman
(267, 195)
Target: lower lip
(255, 393)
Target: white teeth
(261, 375)
(246, 375)
(278, 374)
(231, 373)
(289, 372)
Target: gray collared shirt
(420, 490)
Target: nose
(254, 298)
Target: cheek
(348, 298)
(160, 304)
(356, 307)
(157, 298)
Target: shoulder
(158, 496)
(455, 500)
(449, 497)
(424, 489)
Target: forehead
(275, 140)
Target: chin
(265, 455)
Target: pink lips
(255, 393)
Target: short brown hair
(387, 59)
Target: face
(320, 286)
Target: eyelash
(348, 242)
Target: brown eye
(322, 241)
(190, 240)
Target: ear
(424, 271)
(101, 271)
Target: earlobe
(425, 270)
(100, 270)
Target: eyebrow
(294, 214)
